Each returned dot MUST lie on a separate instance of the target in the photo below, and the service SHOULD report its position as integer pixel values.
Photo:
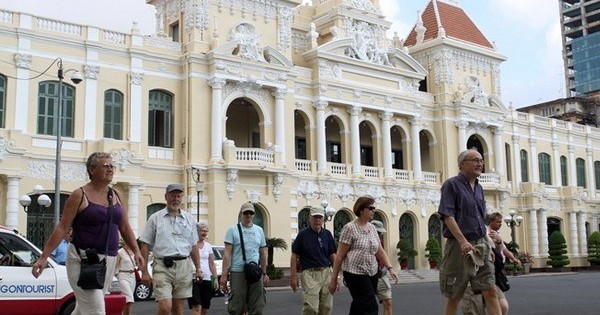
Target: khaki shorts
(454, 279)
(384, 286)
(174, 282)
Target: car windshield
(218, 252)
(15, 252)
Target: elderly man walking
(315, 248)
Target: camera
(91, 255)
(168, 261)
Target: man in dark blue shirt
(315, 248)
(462, 208)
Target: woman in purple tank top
(87, 212)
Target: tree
(557, 248)
(405, 251)
(593, 245)
(434, 251)
(273, 243)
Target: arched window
(113, 114)
(563, 171)
(544, 166)
(524, 166)
(48, 109)
(160, 119)
(580, 167)
(2, 101)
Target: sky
(527, 32)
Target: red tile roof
(455, 22)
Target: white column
(534, 161)
(556, 173)
(416, 148)
(355, 140)
(387, 145)
(135, 100)
(572, 166)
(499, 148)
(533, 233)
(517, 159)
(543, 228)
(279, 95)
(23, 62)
(216, 140)
(574, 246)
(133, 207)
(90, 115)
(581, 217)
(462, 135)
(12, 202)
(321, 138)
(590, 173)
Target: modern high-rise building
(580, 20)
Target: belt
(317, 268)
(127, 271)
(175, 257)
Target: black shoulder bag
(252, 270)
(93, 270)
(501, 279)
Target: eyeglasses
(477, 161)
(372, 208)
(108, 166)
(248, 213)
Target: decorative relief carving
(369, 43)
(308, 189)
(363, 5)
(246, 38)
(231, 186)
(299, 41)
(442, 61)
(46, 170)
(277, 186)
(91, 72)
(343, 192)
(253, 196)
(5, 147)
(122, 157)
(327, 71)
(196, 15)
(285, 28)
(136, 78)
(23, 61)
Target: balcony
(250, 157)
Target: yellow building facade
(288, 106)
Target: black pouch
(92, 275)
(168, 261)
(253, 272)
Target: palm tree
(273, 243)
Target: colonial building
(288, 106)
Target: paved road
(539, 294)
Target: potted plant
(433, 251)
(557, 250)
(405, 251)
(593, 247)
(527, 261)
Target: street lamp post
(329, 212)
(512, 220)
(75, 78)
(199, 188)
(43, 202)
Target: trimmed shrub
(557, 249)
(593, 247)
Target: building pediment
(345, 51)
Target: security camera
(76, 77)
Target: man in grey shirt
(171, 234)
